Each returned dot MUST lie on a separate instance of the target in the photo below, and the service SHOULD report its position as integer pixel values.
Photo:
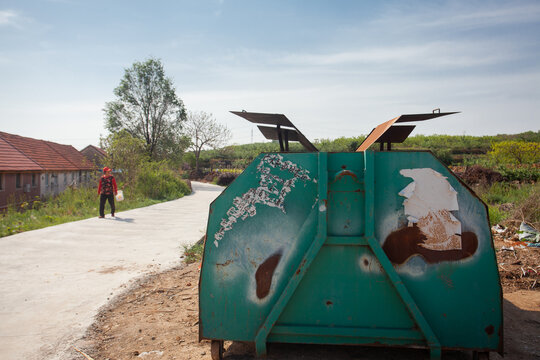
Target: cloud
(503, 14)
(439, 54)
(8, 18)
(459, 16)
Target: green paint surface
(340, 292)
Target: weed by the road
(73, 204)
(193, 253)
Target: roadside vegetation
(155, 183)
(193, 253)
(503, 170)
(149, 131)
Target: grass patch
(511, 202)
(503, 192)
(193, 253)
(496, 215)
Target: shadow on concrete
(128, 220)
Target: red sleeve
(114, 185)
(99, 187)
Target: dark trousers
(102, 199)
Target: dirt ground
(158, 319)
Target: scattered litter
(82, 353)
(537, 245)
(498, 229)
(508, 248)
(528, 233)
(148, 353)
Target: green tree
(148, 108)
(205, 132)
(126, 154)
(516, 152)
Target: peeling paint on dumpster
(272, 191)
(321, 248)
(433, 232)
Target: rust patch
(401, 244)
(225, 263)
(263, 275)
(329, 303)
(300, 267)
(345, 173)
(447, 281)
(434, 225)
(489, 330)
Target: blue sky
(335, 68)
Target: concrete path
(54, 280)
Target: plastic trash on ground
(528, 233)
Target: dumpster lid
(283, 135)
(389, 133)
(271, 133)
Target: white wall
(59, 181)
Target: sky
(334, 68)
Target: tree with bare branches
(205, 132)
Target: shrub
(510, 202)
(156, 180)
(226, 179)
(520, 173)
(193, 253)
(516, 152)
(195, 174)
(528, 210)
(496, 216)
(211, 176)
(445, 156)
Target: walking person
(107, 190)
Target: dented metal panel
(352, 248)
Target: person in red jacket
(106, 190)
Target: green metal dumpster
(367, 248)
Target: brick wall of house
(10, 192)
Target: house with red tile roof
(95, 155)
(31, 167)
